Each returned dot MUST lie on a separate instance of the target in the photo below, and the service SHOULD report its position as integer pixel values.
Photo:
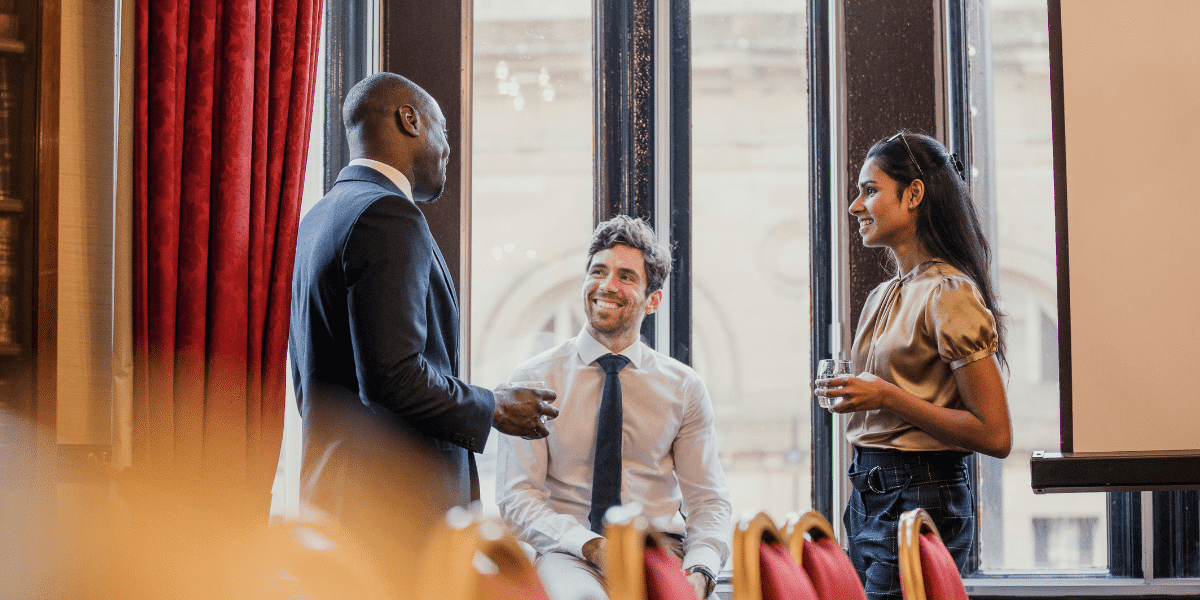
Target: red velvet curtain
(222, 109)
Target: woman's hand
(857, 392)
(984, 426)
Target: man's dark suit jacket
(389, 429)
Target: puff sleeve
(965, 330)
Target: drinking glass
(537, 385)
(829, 368)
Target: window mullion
(625, 132)
(678, 217)
(820, 245)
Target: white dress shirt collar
(390, 172)
(590, 349)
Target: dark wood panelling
(423, 41)
(890, 64)
(46, 317)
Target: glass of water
(828, 368)
(537, 385)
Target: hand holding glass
(537, 385)
(829, 368)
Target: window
(1009, 103)
(1094, 533)
(532, 210)
(750, 289)
(532, 186)
(1064, 543)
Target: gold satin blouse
(914, 331)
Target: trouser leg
(568, 577)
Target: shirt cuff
(972, 357)
(575, 538)
(703, 555)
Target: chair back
(323, 561)
(471, 558)
(811, 540)
(638, 565)
(763, 567)
(927, 570)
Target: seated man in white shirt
(666, 457)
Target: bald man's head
(378, 96)
(390, 119)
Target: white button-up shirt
(669, 454)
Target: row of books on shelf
(11, 48)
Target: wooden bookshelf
(11, 46)
(22, 159)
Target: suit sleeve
(387, 259)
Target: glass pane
(750, 292)
(531, 186)
(1013, 175)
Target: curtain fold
(222, 103)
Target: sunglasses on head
(911, 156)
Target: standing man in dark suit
(389, 428)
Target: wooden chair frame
(329, 562)
(451, 553)
(813, 524)
(913, 523)
(629, 535)
(748, 535)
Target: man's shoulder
(369, 192)
(670, 369)
(668, 364)
(350, 200)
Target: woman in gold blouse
(928, 347)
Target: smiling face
(886, 213)
(614, 296)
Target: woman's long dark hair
(947, 221)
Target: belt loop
(875, 472)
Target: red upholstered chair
(927, 571)
(638, 565)
(812, 542)
(470, 558)
(763, 568)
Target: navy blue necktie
(606, 469)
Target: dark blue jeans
(886, 484)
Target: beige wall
(1132, 93)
